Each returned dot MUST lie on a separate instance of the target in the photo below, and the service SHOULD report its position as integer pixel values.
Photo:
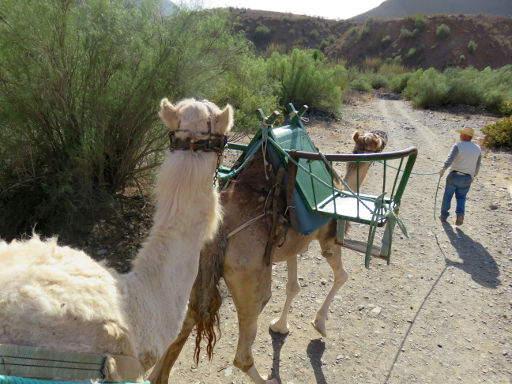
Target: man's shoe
(443, 219)
(460, 220)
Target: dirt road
(440, 313)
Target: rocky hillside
(424, 41)
(401, 8)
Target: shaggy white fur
(59, 298)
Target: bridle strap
(214, 142)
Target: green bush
(361, 84)
(410, 53)
(376, 80)
(407, 34)
(262, 33)
(80, 84)
(247, 88)
(427, 88)
(499, 134)
(506, 108)
(420, 23)
(488, 89)
(386, 41)
(472, 46)
(399, 82)
(314, 34)
(302, 79)
(443, 31)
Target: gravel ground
(439, 313)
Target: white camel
(59, 298)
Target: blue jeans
(459, 184)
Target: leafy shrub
(472, 46)
(410, 53)
(462, 59)
(360, 84)
(489, 89)
(506, 108)
(376, 80)
(386, 41)
(408, 34)
(247, 88)
(324, 44)
(420, 23)
(427, 88)
(443, 31)
(314, 34)
(262, 33)
(399, 82)
(301, 79)
(499, 134)
(364, 31)
(80, 84)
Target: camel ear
(224, 120)
(169, 114)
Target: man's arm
(478, 165)
(451, 156)
(449, 160)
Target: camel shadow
(315, 351)
(475, 259)
(278, 340)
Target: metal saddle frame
(319, 194)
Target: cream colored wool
(58, 297)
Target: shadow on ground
(315, 351)
(278, 340)
(476, 261)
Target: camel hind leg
(280, 325)
(250, 290)
(332, 253)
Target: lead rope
(219, 160)
(435, 198)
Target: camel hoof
(271, 381)
(278, 327)
(320, 327)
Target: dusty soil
(441, 312)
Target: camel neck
(167, 264)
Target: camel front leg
(162, 369)
(333, 255)
(244, 359)
(280, 325)
(250, 291)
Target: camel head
(373, 141)
(200, 126)
(196, 117)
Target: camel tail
(205, 299)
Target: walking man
(464, 162)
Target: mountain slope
(471, 40)
(400, 8)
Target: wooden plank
(360, 246)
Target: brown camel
(244, 269)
